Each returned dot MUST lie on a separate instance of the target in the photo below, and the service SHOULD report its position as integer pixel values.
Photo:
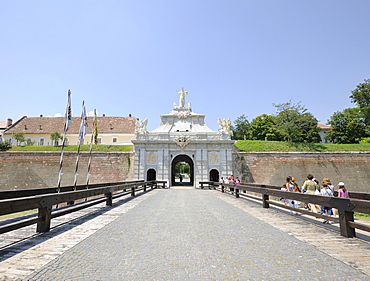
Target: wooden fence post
(109, 197)
(265, 198)
(45, 216)
(345, 207)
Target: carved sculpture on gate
(141, 126)
(224, 126)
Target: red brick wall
(23, 170)
(352, 168)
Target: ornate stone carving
(182, 141)
(224, 126)
(152, 158)
(141, 126)
(213, 158)
(182, 114)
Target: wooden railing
(45, 198)
(358, 202)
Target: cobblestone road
(193, 235)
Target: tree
(19, 138)
(241, 128)
(361, 97)
(55, 137)
(295, 123)
(348, 126)
(263, 127)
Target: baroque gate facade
(183, 136)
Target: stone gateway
(183, 150)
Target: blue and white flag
(68, 115)
(83, 126)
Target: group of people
(312, 186)
(230, 180)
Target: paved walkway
(187, 234)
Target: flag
(83, 126)
(68, 115)
(95, 127)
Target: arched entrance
(151, 175)
(214, 175)
(182, 171)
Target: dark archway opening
(151, 175)
(214, 175)
(182, 171)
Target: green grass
(98, 147)
(16, 215)
(362, 216)
(265, 146)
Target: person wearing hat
(342, 191)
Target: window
(99, 140)
(114, 139)
(41, 142)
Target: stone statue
(141, 126)
(182, 94)
(224, 126)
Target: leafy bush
(365, 140)
(5, 145)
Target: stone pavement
(192, 234)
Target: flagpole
(67, 123)
(95, 125)
(81, 136)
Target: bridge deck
(194, 234)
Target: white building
(183, 137)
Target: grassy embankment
(96, 148)
(280, 146)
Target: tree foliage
(241, 128)
(263, 127)
(361, 97)
(295, 123)
(348, 126)
(55, 137)
(19, 138)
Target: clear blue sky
(234, 57)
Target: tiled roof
(48, 125)
(321, 126)
(3, 124)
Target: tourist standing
(328, 182)
(231, 181)
(326, 191)
(290, 185)
(331, 186)
(311, 187)
(342, 191)
(237, 182)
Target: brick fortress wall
(353, 168)
(23, 170)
